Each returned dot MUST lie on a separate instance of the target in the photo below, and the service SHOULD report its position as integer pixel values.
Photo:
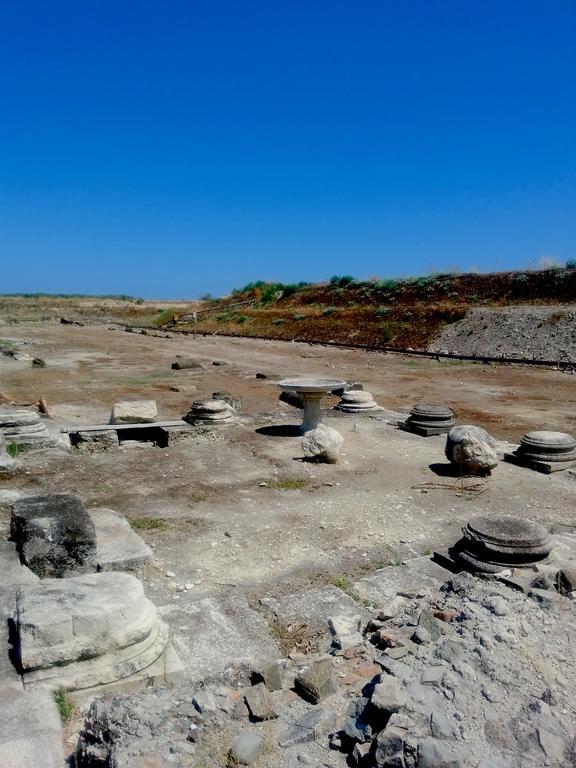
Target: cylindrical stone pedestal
(209, 411)
(547, 446)
(492, 545)
(357, 401)
(312, 411)
(429, 419)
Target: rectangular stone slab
(423, 431)
(118, 547)
(546, 467)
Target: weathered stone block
(316, 681)
(134, 412)
(54, 534)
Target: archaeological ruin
(250, 557)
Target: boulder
(471, 448)
(322, 444)
(134, 412)
(54, 535)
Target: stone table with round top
(312, 390)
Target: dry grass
(294, 637)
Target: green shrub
(571, 264)
(389, 285)
(64, 704)
(164, 316)
(242, 319)
(278, 321)
(329, 310)
(342, 280)
(13, 449)
(298, 317)
(387, 331)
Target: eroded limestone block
(86, 631)
(134, 412)
(322, 443)
(471, 448)
(97, 442)
(54, 534)
(119, 548)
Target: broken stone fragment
(204, 701)
(392, 609)
(246, 747)
(270, 675)
(433, 625)
(387, 697)
(389, 743)
(260, 703)
(322, 444)
(316, 681)
(345, 631)
(433, 754)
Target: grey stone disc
(475, 563)
(506, 531)
(548, 446)
(426, 413)
(209, 406)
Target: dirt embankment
(400, 313)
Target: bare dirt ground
(232, 514)
(240, 508)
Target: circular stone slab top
(357, 396)
(506, 531)
(543, 442)
(311, 385)
(18, 418)
(208, 406)
(431, 412)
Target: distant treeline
(115, 296)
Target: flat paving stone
(315, 606)
(219, 632)
(30, 731)
(419, 573)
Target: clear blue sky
(165, 148)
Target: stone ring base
(546, 467)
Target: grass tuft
(64, 703)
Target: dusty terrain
(234, 517)
(307, 519)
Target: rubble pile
(472, 674)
